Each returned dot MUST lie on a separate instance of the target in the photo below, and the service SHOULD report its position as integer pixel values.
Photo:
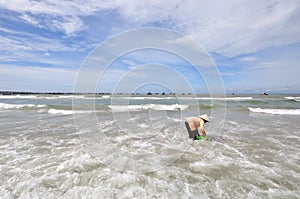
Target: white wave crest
(19, 106)
(275, 111)
(148, 106)
(50, 97)
(18, 96)
(143, 98)
(185, 98)
(64, 97)
(225, 98)
(105, 96)
(67, 112)
(293, 98)
(63, 112)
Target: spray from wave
(275, 111)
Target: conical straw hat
(205, 117)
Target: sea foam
(19, 106)
(293, 98)
(67, 112)
(18, 97)
(157, 107)
(225, 98)
(275, 111)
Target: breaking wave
(293, 98)
(172, 107)
(275, 111)
(19, 106)
(225, 98)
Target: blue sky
(255, 44)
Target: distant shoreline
(86, 93)
(47, 93)
(148, 94)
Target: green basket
(200, 137)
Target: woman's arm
(202, 128)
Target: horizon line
(134, 93)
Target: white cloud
(54, 15)
(152, 74)
(227, 27)
(275, 75)
(237, 28)
(37, 78)
(31, 42)
(70, 25)
(27, 18)
(51, 7)
(248, 59)
(230, 28)
(263, 65)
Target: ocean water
(64, 146)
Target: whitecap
(19, 106)
(68, 112)
(157, 107)
(63, 112)
(225, 98)
(105, 96)
(293, 98)
(144, 98)
(63, 97)
(275, 111)
(18, 96)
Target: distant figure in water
(193, 123)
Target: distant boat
(265, 93)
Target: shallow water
(46, 154)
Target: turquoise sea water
(64, 146)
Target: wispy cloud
(231, 28)
(248, 59)
(29, 78)
(243, 34)
(263, 65)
